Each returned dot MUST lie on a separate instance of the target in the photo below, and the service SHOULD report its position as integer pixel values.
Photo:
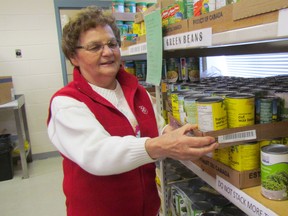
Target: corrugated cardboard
(138, 17)
(141, 39)
(176, 28)
(221, 20)
(248, 8)
(6, 86)
(241, 180)
(126, 43)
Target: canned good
(222, 155)
(263, 143)
(172, 70)
(190, 107)
(223, 94)
(283, 95)
(183, 70)
(175, 105)
(245, 156)
(197, 6)
(118, 6)
(193, 71)
(183, 93)
(208, 6)
(274, 172)
(141, 7)
(240, 109)
(211, 112)
(130, 26)
(130, 7)
(267, 109)
(189, 9)
(130, 67)
(141, 70)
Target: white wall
(30, 25)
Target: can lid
(240, 95)
(141, 3)
(118, 1)
(275, 149)
(130, 2)
(210, 99)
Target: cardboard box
(222, 20)
(138, 17)
(126, 44)
(6, 89)
(176, 28)
(241, 180)
(248, 8)
(141, 39)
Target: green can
(118, 6)
(283, 95)
(274, 172)
(130, 7)
(267, 109)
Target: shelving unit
(18, 107)
(264, 38)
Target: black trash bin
(6, 162)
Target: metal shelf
(18, 106)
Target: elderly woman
(107, 129)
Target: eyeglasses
(97, 47)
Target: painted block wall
(30, 25)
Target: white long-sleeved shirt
(79, 136)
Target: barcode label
(239, 136)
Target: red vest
(133, 193)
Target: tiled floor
(39, 195)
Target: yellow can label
(222, 155)
(174, 102)
(211, 116)
(240, 111)
(270, 142)
(245, 157)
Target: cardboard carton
(222, 20)
(141, 39)
(6, 88)
(176, 28)
(248, 8)
(241, 180)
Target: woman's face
(98, 56)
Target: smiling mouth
(107, 63)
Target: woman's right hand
(180, 145)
